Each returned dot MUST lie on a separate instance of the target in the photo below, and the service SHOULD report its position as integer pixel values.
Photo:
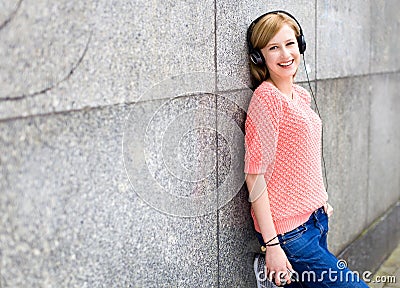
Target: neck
(283, 85)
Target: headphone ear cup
(257, 58)
(302, 43)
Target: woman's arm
(275, 258)
(258, 196)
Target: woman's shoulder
(267, 92)
(266, 99)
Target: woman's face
(282, 54)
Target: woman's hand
(328, 209)
(277, 265)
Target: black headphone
(255, 54)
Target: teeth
(286, 63)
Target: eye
(290, 43)
(273, 48)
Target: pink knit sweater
(283, 142)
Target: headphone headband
(255, 54)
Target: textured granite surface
(74, 54)
(121, 137)
(70, 218)
(343, 37)
(369, 251)
(385, 45)
(41, 45)
(346, 128)
(384, 182)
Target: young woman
(283, 162)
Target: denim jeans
(307, 250)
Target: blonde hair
(263, 31)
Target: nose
(285, 52)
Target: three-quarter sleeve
(261, 132)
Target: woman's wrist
(272, 240)
(271, 249)
(272, 244)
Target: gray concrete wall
(121, 135)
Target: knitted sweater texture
(283, 142)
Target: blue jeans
(307, 250)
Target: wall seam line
(316, 45)
(89, 108)
(216, 139)
(369, 124)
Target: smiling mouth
(286, 64)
